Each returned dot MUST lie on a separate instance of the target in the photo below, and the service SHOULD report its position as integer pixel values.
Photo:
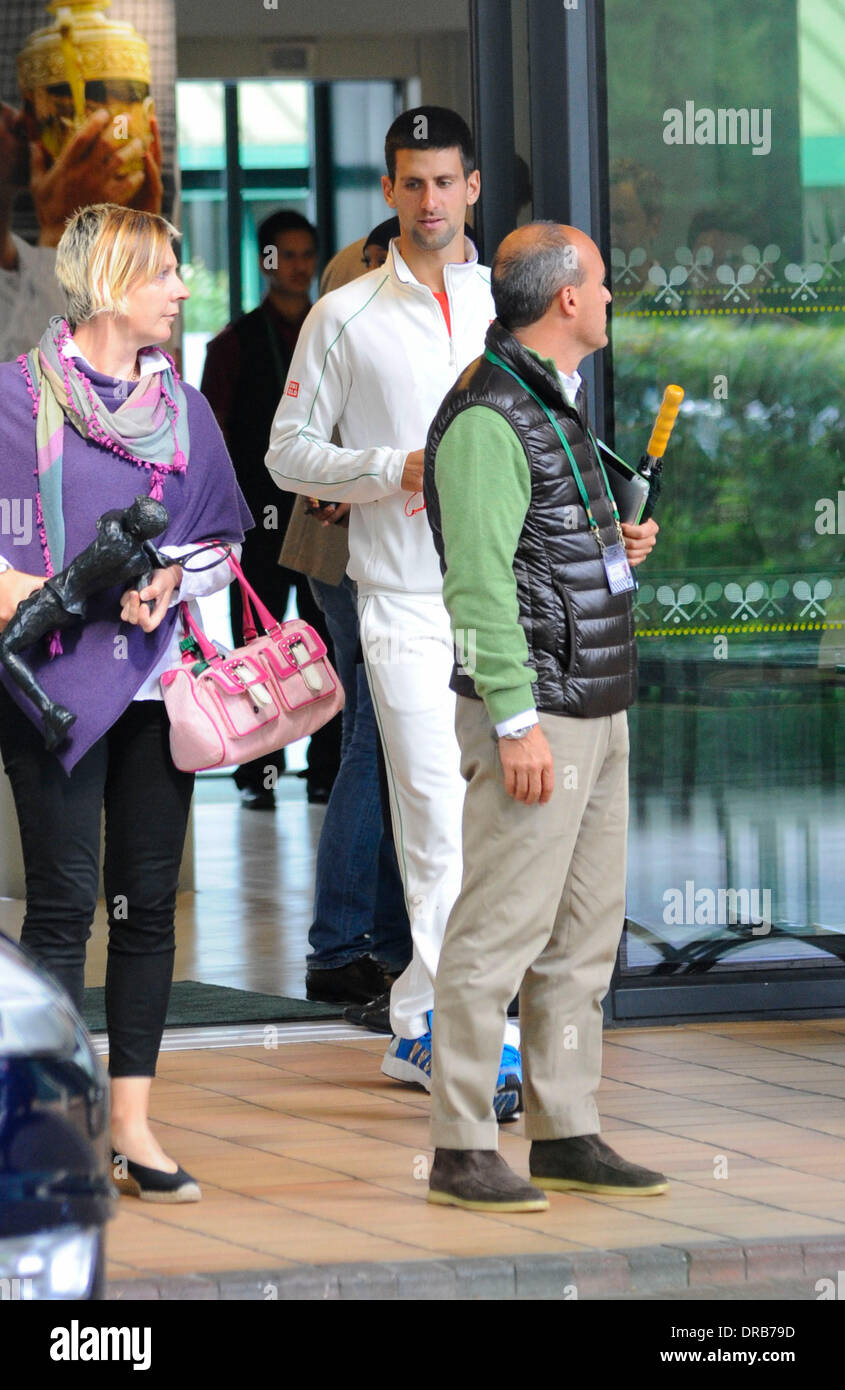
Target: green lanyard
(576, 472)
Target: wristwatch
(519, 733)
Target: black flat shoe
(257, 799)
(375, 1016)
(151, 1184)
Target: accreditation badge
(620, 580)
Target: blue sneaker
(409, 1059)
(507, 1102)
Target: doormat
(195, 1005)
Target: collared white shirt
(149, 359)
(570, 385)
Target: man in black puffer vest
(538, 583)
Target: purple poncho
(98, 675)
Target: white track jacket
(375, 359)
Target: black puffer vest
(580, 636)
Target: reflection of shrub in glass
(208, 307)
(747, 463)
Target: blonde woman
(92, 417)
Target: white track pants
(408, 653)
(407, 647)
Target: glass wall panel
(201, 125)
(361, 115)
(201, 134)
(726, 144)
(274, 129)
(273, 120)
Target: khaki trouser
(541, 910)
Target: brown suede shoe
(585, 1163)
(480, 1180)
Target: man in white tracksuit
(373, 361)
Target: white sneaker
(409, 1060)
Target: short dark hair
(281, 221)
(429, 128)
(525, 280)
(383, 234)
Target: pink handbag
(275, 689)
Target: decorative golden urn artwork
(79, 64)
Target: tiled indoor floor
(308, 1155)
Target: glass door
(726, 169)
(703, 149)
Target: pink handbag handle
(248, 597)
(209, 652)
(268, 622)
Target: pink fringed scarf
(149, 429)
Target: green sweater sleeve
(484, 487)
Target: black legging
(129, 772)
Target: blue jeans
(338, 604)
(359, 902)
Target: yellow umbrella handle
(665, 422)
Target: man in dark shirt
(245, 370)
